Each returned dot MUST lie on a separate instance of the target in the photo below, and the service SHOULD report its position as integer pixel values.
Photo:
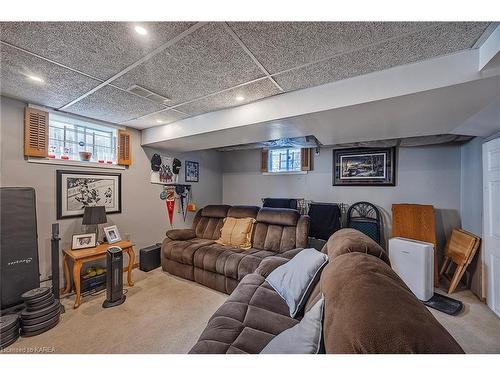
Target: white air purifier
(413, 261)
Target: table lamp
(94, 215)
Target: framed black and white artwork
(192, 171)
(364, 167)
(76, 190)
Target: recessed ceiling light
(159, 121)
(140, 30)
(35, 78)
(240, 98)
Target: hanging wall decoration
(79, 189)
(192, 173)
(170, 202)
(183, 192)
(364, 167)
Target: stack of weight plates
(42, 312)
(9, 330)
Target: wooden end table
(82, 256)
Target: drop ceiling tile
(438, 41)
(101, 49)
(207, 61)
(251, 92)
(156, 119)
(60, 85)
(113, 105)
(284, 45)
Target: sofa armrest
(269, 264)
(181, 234)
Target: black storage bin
(149, 258)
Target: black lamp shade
(94, 215)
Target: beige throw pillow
(237, 232)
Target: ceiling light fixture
(159, 121)
(35, 78)
(140, 30)
(240, 98)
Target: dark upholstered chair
(366, 218)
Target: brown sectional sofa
(368, 308)
(194, 255)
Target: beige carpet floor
(166, 314)
(476, 328)
(162, 314)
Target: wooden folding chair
(416, 222)
(460, 249)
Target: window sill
(74, 163)
(282, 173)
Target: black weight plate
(6, 344)
(25, 314)
(30, 322)
(39, 326)
(9, 331)
(40, 299)
(35, 293)
(34, 333)
(41, 305)
(8, 321)
(9, 337)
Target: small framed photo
(192, 171)
(112, 234)
(83, 241)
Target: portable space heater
(114, 277)
(413, 261)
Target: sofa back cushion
(353, 241)
(369, 309)
(243, 211)
(280, 230)
(209, 220)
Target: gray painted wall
(425, 175)
(143, 215)
(471, 207)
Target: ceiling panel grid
(86, 67)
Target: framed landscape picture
(364, 167)
(76, 190)
(192, 171)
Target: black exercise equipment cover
(18, 244)
(325, 220)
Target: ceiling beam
(489, 49)
(272, 76)
(398, 81)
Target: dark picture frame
(77, 189)
(364, 167)
(191, 171)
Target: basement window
(74, 139)
(284, 160)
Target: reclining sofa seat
(368, 308)
(193, 253)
